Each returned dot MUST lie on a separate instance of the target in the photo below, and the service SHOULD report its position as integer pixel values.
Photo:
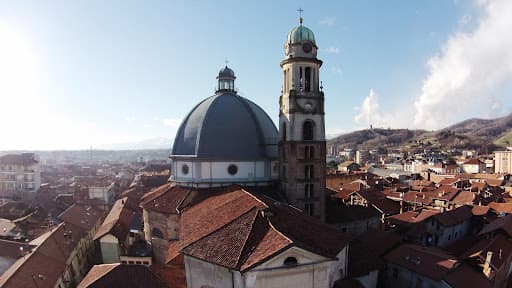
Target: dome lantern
(226, 80)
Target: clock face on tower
(307, 47)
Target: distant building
(19, 173)
(503, 162)
(473, 166)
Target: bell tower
(301, 124)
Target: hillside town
(239, 201)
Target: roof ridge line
(246, 238)
(256, 198)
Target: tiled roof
(81, 216)
(503, 223)
(118, 220)
(472, 161)
(165, 199)
(427, 261)
(11, 249)
(455, 216)
(479, 210)
(239, 229)
(444, 192)
(413, 216)
(464, 198)
(122, 276)
(501, 207)
(46, 263)
(499, 244)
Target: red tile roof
(464, 198)
(501, 223)
(413, 216)
(118, 220)
(165, 199)
(480, 210)
(238, 229)
(501, 207)
(472, 161)
(455, 216)
(122, 276)
(82, 216)
(46, 263)
(427, 261)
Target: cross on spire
(300, 14)
(226, 61)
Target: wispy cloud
(470, 68)
(332, 50)
(465, 19)
(328, 21)
(172, 122)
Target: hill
(483, 134)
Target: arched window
(157, 233)
(308, 130)
(290, 261)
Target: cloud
(172, 122)
(368, 113)
(328, 21)
(470, 70)
(465, 19)
(332, 50)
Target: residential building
(503, 161)
(19, 173)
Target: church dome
(300, 34)
(226, 126)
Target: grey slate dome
(226, 127)
(226, 72)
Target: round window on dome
(184, 169)
(232, 169)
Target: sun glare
(19, 83)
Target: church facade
(245, 202)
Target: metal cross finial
(226, 61)
(300, 14)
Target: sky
(80, 74)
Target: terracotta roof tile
(118, 220)
(501, 207)
(501, 223)
(464, 198)
(239, 229)
(122, 276)
(455, 216)
(48, 259)
(479, 210)
(427, 261)
(82, 216)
